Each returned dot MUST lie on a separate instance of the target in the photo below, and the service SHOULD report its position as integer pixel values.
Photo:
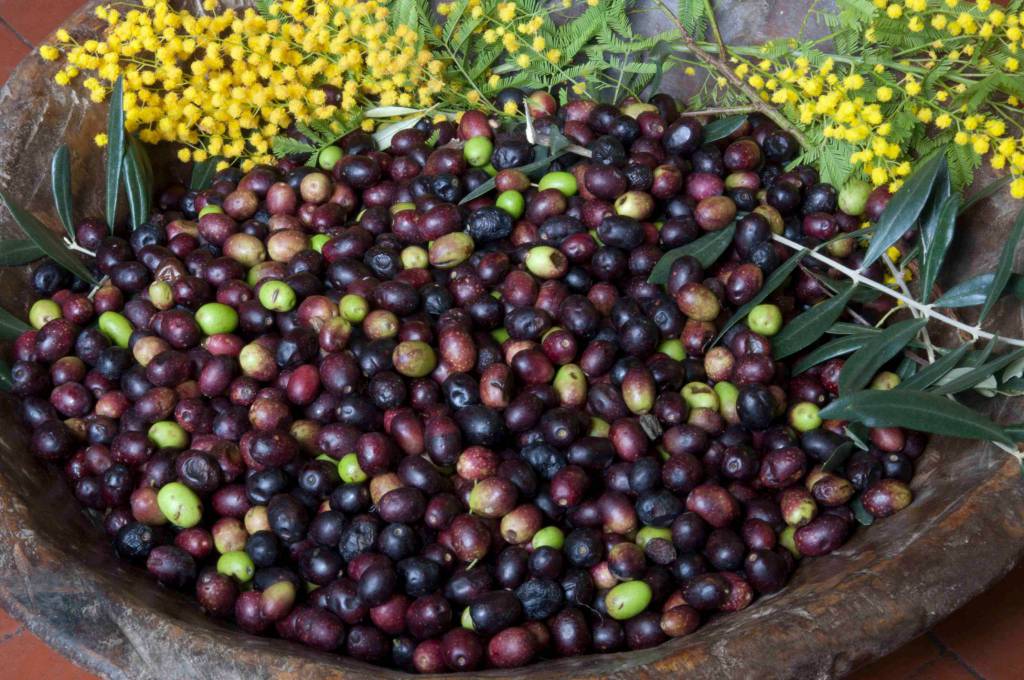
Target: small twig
(897, 274)
(910, 302)
(714, 29)
(721, 111)
(721, 65)
(71, 245)
(95, 289)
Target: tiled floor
(985, 639)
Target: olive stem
(720, 65)
(102, 282)
(721, 111)
(897, 274)
(71, 245)
(911, 303)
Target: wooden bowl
(893, 580)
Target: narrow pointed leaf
(838, 456)
(937, 243)
(706, 249)
(830, 350)
(19, 251)
(915, 410)
(115, 149)
(723, 127)
(773, 282)
(942, 189)
(860, 513)
(60, 179)
(1005, 267)
(844, 328)
(905, 206)
(928, 375)
(47, 241)
(978, 374)
(861, 367)
(11, 326)
(529, 169)
(203, 172)
(969, 293)
(1015, 432)
(809, 326)
(134, 188)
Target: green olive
(546, 262)
(167, 434)
(466, 620)
(349, 470)
(551, 537)
(42, 312)
(647, 534)
(477, 151)
(277, 296)
(318, 241)
(414, 358)
(216, 317)
(564, 182)
(627, 599)
(116, 327)
(599, 427)
(700, 395)
(329, 157)
(353, 308)
(886, 380)
(787, 540)
(236, 564)
(161, 294)
(451, 250)
(728, 394)
(209, 209)
(853, 197)
(500, 335)
(673, 348)
(765, 319)
(414, 257)
(180, 505)
(804, 417)
(512, 202)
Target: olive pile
(343, 408)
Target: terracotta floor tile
(899, 665)
(35, 20)
(988, 633)
(12, 50)
(8, 626)
(26, 656)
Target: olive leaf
(905, 206)
(860, 513)
(972, 292)
(861, 367)
(773, 282)
(1015, 432)
(203, 172)
(838, 456)
(19, 251)
(936, 243)
(942, 189)
(136, 182)
(973, 377)
(915, 410)
(928, 375)
(720, 128)
(1001, 275)
(115, 149)
(830, 350)
(844, 328)
(528, 169)
(809, 326)
(11, 326)
(707, 249)
(60, 181)
(48, 242)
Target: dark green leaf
(936, 243)
(981, 356)
(60, 180)
(136, 183)
(906, 369)
(844, 328)
(860, 513)
(830, 350)
(861, 367)
(977, 374)
(929, 374)
(915, 410)
(809, 326)
(941, 190)
(969, 293)
(47, 241)
(115, 149)
(1015, 432)
(1003, 270)
(905, 206)
(773, 282)
(19, 251)
(202, 173)
(11, 326)
(838, 456)
(706, 249)
(529, 169)
(859, 435)
(720, 128)
(862, 295)
(5, 376)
